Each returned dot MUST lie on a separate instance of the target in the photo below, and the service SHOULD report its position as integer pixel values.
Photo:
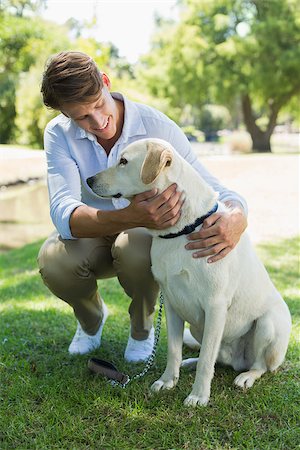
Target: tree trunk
(260, 139)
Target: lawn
(50, 400)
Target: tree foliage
(31, 115)
(21, 8)
(26, 42)
(224, 50)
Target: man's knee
(57, 265)
(132, 249)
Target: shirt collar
(133, 123)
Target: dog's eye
(123, 162)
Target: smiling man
(103, 117)
(102, 238)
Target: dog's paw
(160, 384)
(245, 380)
(194, 400)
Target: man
(100, 238)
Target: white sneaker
(137, 351)
(84, 343)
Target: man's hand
(156, 211)
(219, 234)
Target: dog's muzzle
(100, 189)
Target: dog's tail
(189, 340)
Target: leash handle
(116, 378)
(105, 368)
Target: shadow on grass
(19, 272)
(19, 260)
(50, 400)
(22, 288)
(21, 283)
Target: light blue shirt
(73, 155)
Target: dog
(235, 312)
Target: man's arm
(74, 219)
(146, 210)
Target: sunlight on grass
(50, 399)
(292, 291)
(39, 305)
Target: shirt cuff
(235, 198)
(62, 223)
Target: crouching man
(102, 238)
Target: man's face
(100, 117)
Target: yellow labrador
(233, 309)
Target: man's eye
(123, 162)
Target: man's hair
(70, 77)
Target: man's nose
(97, 120)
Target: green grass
(49, 400)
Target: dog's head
(142, 165)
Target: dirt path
(270, 183)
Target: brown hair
(70, 77)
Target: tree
(224, 50)
(20, 8)
(16, 33)
(25, 42)
(31, 115)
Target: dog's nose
(90, 182)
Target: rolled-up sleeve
(180, 142)
(64, 182)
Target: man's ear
(106, 80)
(157, 158)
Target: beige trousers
(71, 268)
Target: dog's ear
(158, 156)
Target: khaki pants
(71, 268)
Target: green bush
(31, 115)
(212, 119)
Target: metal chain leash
(152, 356)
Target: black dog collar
(190, 228)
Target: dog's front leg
(215, 318)
(175, 326)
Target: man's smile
(104, 127)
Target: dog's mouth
(107, 196)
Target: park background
(228, 72)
